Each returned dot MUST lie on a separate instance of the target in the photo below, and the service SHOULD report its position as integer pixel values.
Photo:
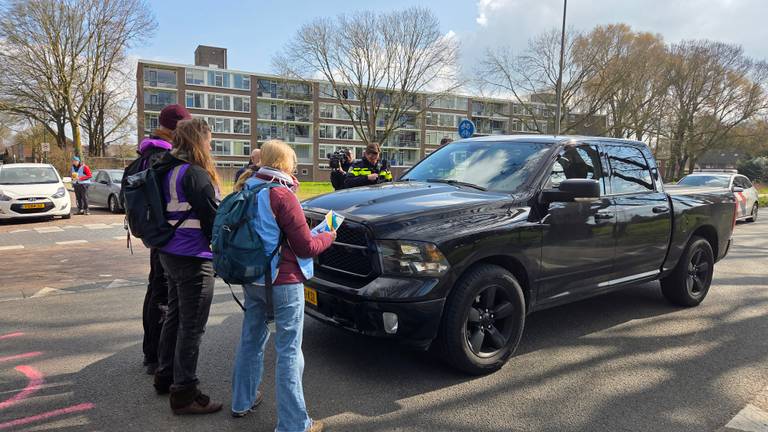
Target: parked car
(104, 190)
(30, 190)
(746, 193)
(485, 231)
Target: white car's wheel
(753, 215)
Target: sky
(253, 31)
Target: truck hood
(402, 199)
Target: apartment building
(244, 109)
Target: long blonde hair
(274, 154)
(192, 139)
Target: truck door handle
(599, 216)
(660, 209)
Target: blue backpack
(239, 253)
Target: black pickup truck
(484, 231)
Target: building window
(156, 100)
(326, 111)
(242, 82)
(242, 103)
(195, 100)
(241, 148)
(242, 126)
(151, 122)
(195, 77)
(326, 131)
(221, 147)
(344, 132)
(154, 77)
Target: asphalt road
(70, 357)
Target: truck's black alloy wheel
(689, 282)
(483, 320)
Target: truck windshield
(492, 165)
(705, 180)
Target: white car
(30, 190)
(745, 192)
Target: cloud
(514, 22)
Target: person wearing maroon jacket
(283, 227)
(81, 179)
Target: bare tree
(714, 88)
(377, 65)
(73, 46)
(529, 78)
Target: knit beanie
(172, 114)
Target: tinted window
(705, 180)
(747, 183)
(582, 162)
(497, 166)
(117, 176)
(28, 175)
(629, 170)
(102, 177)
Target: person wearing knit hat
(156, 299)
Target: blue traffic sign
(466, 128)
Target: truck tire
(483, 320)
(689, 282)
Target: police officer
(367, 171)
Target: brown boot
(317, 426)
(190, 400)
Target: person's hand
(333, 235)
(373, 177)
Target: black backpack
(145, 208)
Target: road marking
(45, 292)
(52, 229)
(750, 419)
(69, 242)
(20, 356)
(46, 415)
(105, 275)
(97, 226)
(11, 335)
(72, 226)
(19, 231)
(119, 283)
(119, 238)
(116, 224)
(12, 247)
(35, 382)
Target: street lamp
(559, 92)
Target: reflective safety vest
(363, 169)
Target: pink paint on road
(35, 381)
(20, 356)
(46, 415)
(11, 335)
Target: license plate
(310, 296)
(32, 206)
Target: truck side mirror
(572, 189)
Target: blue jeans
(288, 303)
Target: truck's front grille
(351, 259)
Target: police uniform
(358, 174)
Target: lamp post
(559, 91)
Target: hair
(278, 155)
(192, 138)
(164, 134)
(274, 154)
(372, 148)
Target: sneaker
(80, 212)
(259, 399)
(201, 405)
(87, 213)
(316, 426)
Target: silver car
(105, 189)
(745, 192)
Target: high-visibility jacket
(358, 174)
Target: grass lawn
(306, 189)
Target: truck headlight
(412, 258)
(59, 193)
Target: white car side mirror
(67, 179)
